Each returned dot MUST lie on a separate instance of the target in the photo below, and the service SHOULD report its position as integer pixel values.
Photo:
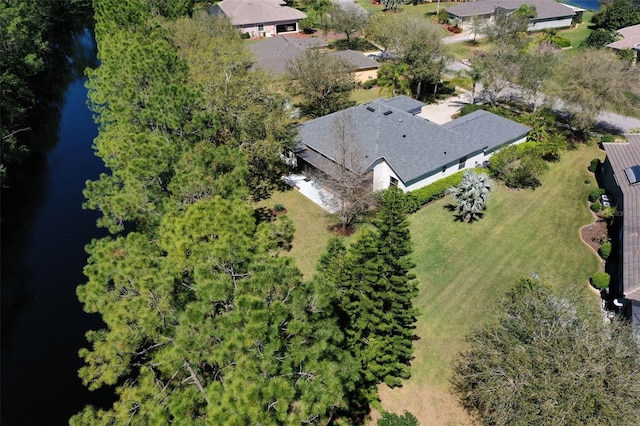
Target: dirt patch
(595, 234)
(430, 404)
(338, 229)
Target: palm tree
(395, 76)
(471, 194)
(474, 74)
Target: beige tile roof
(246, 12)
(622, 156)
(630, 38)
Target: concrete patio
(313, 191)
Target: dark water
(44, 231)
(585, 4)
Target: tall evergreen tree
(374, 293)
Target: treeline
(207, 320)
(34, 43)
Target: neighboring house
(275, 53)
(260, 18)
(621, 170)
(628, 38)
(550, 13)
(399, 148)
(364, 67)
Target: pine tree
(374, 290)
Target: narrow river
(44, 231)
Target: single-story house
(275, 53)
(397, 147)
(621, 176)
(260, 18)
(628, 38)
(549, 13)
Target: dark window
(285, 28)
(393, 181)
(462, 163)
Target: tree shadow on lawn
(460, 217)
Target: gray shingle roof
(412, 146)
(246, 12)
(359, 60)
(622, 156)
(274, 53)
(545, 9)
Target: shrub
(607, 138)
(561, 42)
(370, 83)
(594, 165)
(307, 25)
(468, 109)
(595, 194)
(432, 192)
(443, 16)
(519, 165)
(279, 207)
(596, 207)
(605, 250)
(245, 36)
(392, 419)
(600, 280)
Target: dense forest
(35, 47)
(207, 320)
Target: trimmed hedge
(596, 207)
(605, 250)
(434, 191)
(469, 108)
(600, 280)
(594, 165)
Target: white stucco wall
(556, 23)
(382, 172)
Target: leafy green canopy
(542, 362)
(205, 320)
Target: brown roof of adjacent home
(630, 38)
(275, 53)
(623, 156)
(246, 12)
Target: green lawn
(463, 269)
(361, 96)
(580, 33)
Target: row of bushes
(435, 191)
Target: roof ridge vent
(387, 112)
(371, 109)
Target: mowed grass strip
(310, 222)
(463, 269)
